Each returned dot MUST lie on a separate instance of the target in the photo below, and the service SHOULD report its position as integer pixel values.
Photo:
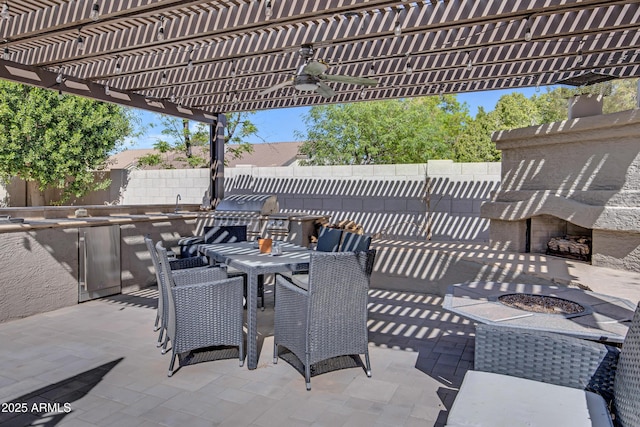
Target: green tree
(178, 141)
(619, 95)
(383, 132)
(186, 146)
(53, 141)
(475, 144)
(239, 128)
(515, 111)
(622, 96)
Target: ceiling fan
(311, 77)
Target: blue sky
(280, 125)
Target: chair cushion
(495, 400)
(352, 242)
(328, 239)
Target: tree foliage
(57, 141)
(184, 145)
(619, 95)
(475, 144)
(421, 129)
(383, 132)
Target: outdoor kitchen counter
(43, 266)
(91, 221)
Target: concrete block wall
(391, 200)
(162, 186)
(388, 199)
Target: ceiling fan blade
(325, 90)
(315, 67)
(276, 87)
(348, 79)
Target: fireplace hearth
(573, 247)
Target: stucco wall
(583, 171)
(137, 269)
(39, 271)
(40, 267)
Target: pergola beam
(38, 77)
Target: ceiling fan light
(305, 83)
(397, 29)
(6, 55)
(4, 14)
(95, 12)
(306, 87)
(80, 43)
(527, 35)
(408, 69)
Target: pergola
(196, 58)
(199, 59)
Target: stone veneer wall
(585, 171)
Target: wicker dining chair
(204, 310)
(212, 234)
(175, 264)
(329, 317)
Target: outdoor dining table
(246, 257)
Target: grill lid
(264, 204)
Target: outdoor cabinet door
(99, 257)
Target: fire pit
(541, 304)
(569, 311)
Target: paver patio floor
(101, 359)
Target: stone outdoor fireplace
(579, 178)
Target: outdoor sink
(6, 219)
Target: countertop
(89, 221)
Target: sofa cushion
(495, 400)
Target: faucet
(178, 198)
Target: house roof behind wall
(263, 155)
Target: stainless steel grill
(260, 213)
(295, 227)
(251, 210)
(261, 204)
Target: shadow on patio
(419, 353)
